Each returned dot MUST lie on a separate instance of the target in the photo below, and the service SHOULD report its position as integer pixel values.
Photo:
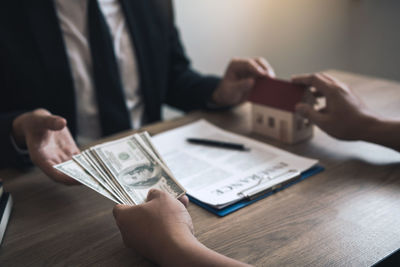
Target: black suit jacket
(35, 72)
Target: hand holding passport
(277, 93)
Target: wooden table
(347, 215)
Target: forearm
(189, 90)
(384, 132)
(192, 253)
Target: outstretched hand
(48, 141)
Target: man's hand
(345, 115)
(239, 79)
(48, 141)
(155, 227)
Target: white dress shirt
(73, 20)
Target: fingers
(310, 113)
(66, 144)
(246, 68)
(319, 81)
(154, 194)
(244, 85)
(50, 122)
(239, 79)
(316, 93)
(45, 120)
(69, 152)
(120, 212)
(330, 78)
(263, 63)
(184, 200)
(337, 83)
(54, 123)
(119, 209)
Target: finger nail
(151, 194)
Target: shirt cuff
(20, 151)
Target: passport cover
(277, 94)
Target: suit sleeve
(9, 156)
(187, 89)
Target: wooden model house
(273, 110)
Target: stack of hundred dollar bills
(123, 170)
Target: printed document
(218, 176)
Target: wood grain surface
(348, 215)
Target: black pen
(214, 143)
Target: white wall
(296, 36)
(375, 38)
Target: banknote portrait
(141, 176)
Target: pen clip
(257, 190)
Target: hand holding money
(161, 230)
(159, 224)
(123, 170)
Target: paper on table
(216, 176)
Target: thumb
(243, 87)
(52, 122)
(244, 84)
(310, 113)
(154, 194)
(118, 209)
(184, 200)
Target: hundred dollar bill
(143, 140)
(85, 164)
(133, 167)
(98, 166)
(146, 138)
(73, 170)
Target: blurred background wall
(296, 36)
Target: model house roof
(277, 94)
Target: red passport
(277, 94)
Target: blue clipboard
(245, 202)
